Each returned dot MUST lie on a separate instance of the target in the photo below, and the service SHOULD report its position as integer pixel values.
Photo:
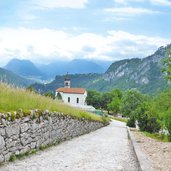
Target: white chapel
(73, 96)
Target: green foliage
(105, 100)
(13, 116)
(9, 77)
(131, 101)
(30, 88)
(149, 124)
(110, 101)
(94, 99)
(117, 93)
(131, 122)
(49, 94)
(168, 123)
(59, 97)
(105, 120)
(115, 105)
(162, 101)
(157, 136)
(167, 65)
(137, 106)
(12, 158)
(162, 104)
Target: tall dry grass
(13, 99)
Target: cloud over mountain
(46, 45)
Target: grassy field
(13, 99)
(159, 137)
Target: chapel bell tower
(67, 82)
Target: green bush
(12, 158)
(131, 122)
(168, 124)
(13, 116)
(149, 124)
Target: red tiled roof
(72, 90)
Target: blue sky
(49, 30)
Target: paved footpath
(107, 149)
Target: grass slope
(13, 99)
(13, 79)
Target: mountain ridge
(23, 68)
(142, 74)
(13, 79)
(27, 68)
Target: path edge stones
(144, 163)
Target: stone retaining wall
(26, 134)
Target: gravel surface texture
(107, 149)
(159, 153)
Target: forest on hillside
(151, 113)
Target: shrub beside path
(107, 149)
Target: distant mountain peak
(23, 67)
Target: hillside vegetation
(14, 99)
(13, 79)
(151, 113)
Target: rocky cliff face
(144, 74)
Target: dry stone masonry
(28, 133)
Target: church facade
(73, 96)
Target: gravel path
(107, 149)
(159, 153)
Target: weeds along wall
(35, 131)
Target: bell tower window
(67, 82)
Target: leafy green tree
(117, 93)
(162, 101)
(134, 106)
(168, 123)
(31, 89)
(146, 122)
(49, 94)
(130, 102)
(105, 100)
(167, 66)
(94, 98)
(115, 105)
(162, 104)
(59, 97)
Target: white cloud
(155, 2)
(125, 2)
(161, 2)
(26, 10)
(50, 4)
(45, 45)
(130, 11)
